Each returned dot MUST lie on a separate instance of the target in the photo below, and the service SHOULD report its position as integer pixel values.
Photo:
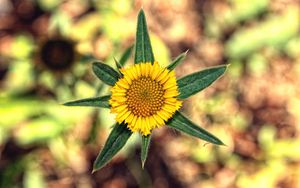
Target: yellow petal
(143, 125)
(118, 98)
(133, 122)
(164, 115)
(152, 122)
(128, 79)
(147, 69)
(143, 69)
(158, 119)
(138, 69)
(126, 74)
(120, 115)
(169, 108)
(120, 108)
(134, 72)
(123, 83)
(139, 122)
(155, 70)
(148, 126)
(170, 83)
(161, 70)
(115, 90)
(162, 75)
(170, 75)
(130, 72)
(119, 94)
(169, 94)
(129, 118)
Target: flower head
(57, 54)
(145, 97)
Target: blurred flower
(56, 54)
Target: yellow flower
(145, 97)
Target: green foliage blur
(46, 52)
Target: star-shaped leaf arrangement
(147, 96)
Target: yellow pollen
(145, 97)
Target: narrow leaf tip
(143, 164)
(185, 53)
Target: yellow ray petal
(119, 94)
(169, 108)
(120, 108)
(152, 122)
(133, 122)
(138, 70)
(129, 118)
(138, 123)
(118, 98)
(120, 115)
(158, 119)
(171, 94)
(123, 83)
(156, 69)
(162, 81)
(148, 126)
(126, 74)
(147, 69)
(143, 69)
(163, 114)
(162, 75)
(134, 71)
(130, 72)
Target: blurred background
(46, 51)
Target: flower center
(145, 97)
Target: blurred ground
(254, 108)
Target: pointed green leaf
(181, 123)
(193, 83)
(105, 73)
(145, 147)
(95, 102)
(179, 59)
(118, 65)
(143, 49)
(126, 56)
(115, 142)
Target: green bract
(145, 147)
(188, 86)
(143, 49)
(193, 83)
(116, 140)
